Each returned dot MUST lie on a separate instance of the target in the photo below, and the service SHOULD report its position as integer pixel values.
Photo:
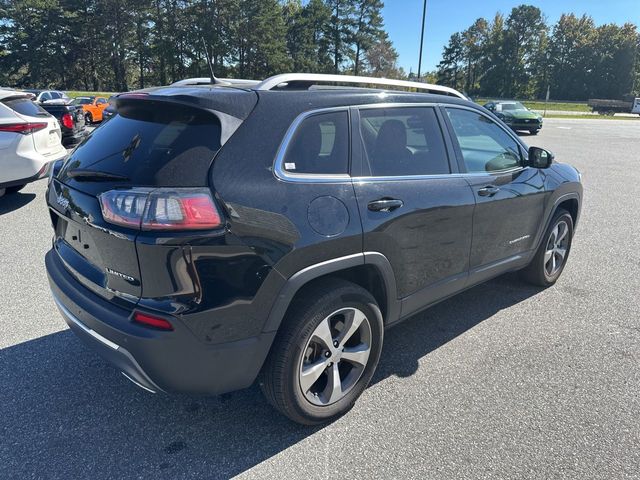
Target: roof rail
(308, 79)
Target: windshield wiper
(81, 174)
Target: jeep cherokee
(211, 235)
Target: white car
(30, 141)
(42, 96)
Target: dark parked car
(516, 115)
(110, 110)
(71, 119)
(209, 236)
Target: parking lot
(502, 381)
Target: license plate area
(53, 138)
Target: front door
(413, 210)
(510, 197)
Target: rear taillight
(161, 209)
(23, 128)
(67, 120)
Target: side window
(45, 96)
(402, 141)
(55, 95)
(101, 101)
(485, 146)
(320, 145)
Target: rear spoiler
(228, 123)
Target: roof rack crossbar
(315, 78)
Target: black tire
(281, 376)
(534, 131)
(88, 118)
(538, 271)
(15, 188)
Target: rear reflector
(23, 128)
(161, 209)
(152, 321)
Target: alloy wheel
(557, 247)
(335, 356)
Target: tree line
(521, 56)
(119, 45)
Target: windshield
(81, 101)
(511, 106)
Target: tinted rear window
(152, 144)
(24, 106)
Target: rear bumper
(44, 171)
(156, 360)
(114, 353)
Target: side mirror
(540, 158)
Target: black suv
(209, 236)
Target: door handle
(385, 205)
(488, 191)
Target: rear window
(24, 106)
(152, 144)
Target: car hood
(520, 114)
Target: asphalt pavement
(502, 381)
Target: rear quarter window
(320, 145)
(152, 144)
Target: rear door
(414, 208)
(510, 197)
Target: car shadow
(67, 414)
(10, 202)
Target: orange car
(92, 106)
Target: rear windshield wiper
(81, 174)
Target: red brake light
(152, 321)
(23, 128)
(161, 209)
(67, 120)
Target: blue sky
(444, 17)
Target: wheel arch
(370, 270)
(572, 206)
(568, 201)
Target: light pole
(424, 14)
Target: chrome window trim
(433, 176)
(281, 174)
(284, 175)
(370, 106)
